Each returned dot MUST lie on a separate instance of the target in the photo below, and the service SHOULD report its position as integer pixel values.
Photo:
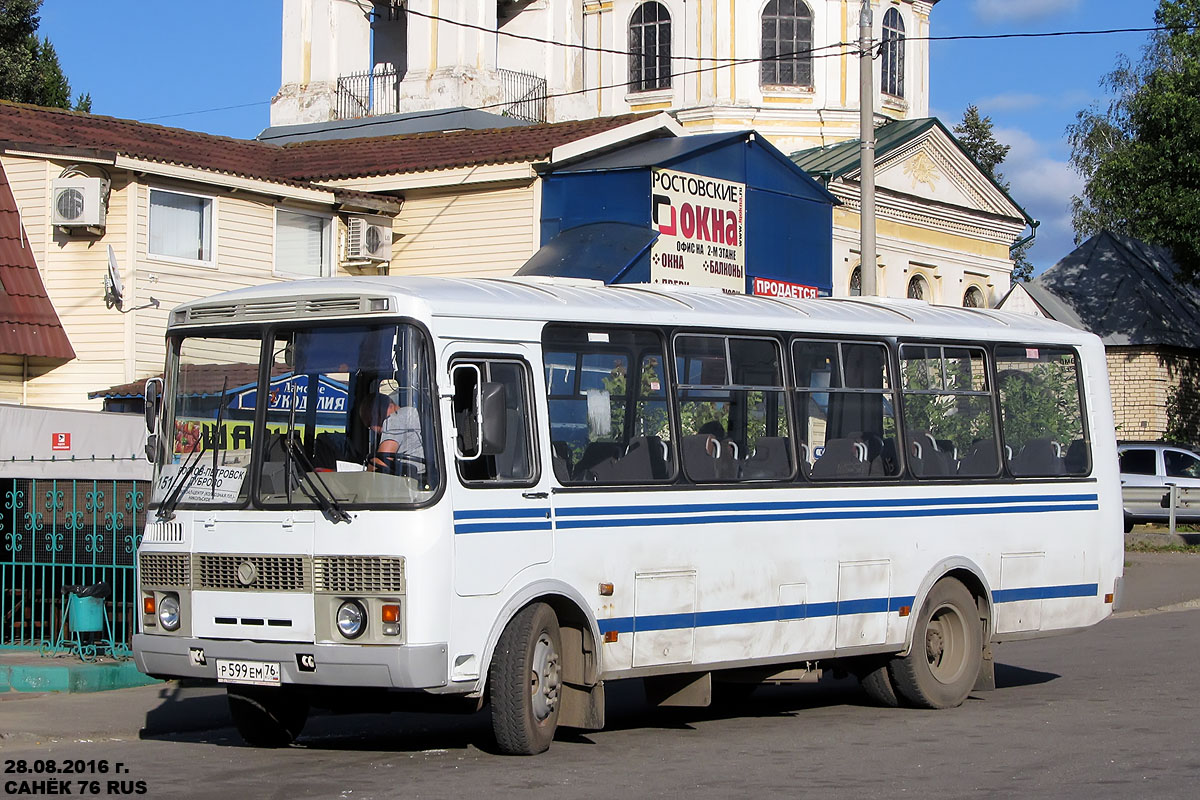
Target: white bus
(396, 492)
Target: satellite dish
(114, 289)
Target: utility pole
(866, 126)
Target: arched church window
(787, 44)
(893, 53)
(856, 282)
(918, 288)
(650, 48)
(974, 298)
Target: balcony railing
(524, 95)
(368, 94)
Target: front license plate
(262, 673)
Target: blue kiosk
(726, 210)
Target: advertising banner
(701, 223)
(765, 287)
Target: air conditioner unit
(78, 202)
(368, 239)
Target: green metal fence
(67, 532)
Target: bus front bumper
(413, 666)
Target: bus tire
(525, 682)
(877, 683)
(947, 650)
(267, 716)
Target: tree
(975, 135)
(29, 68)
(1139, 156)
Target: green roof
(835, 160)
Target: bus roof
(574, 300)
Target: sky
(214, 66)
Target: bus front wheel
(267, 716)
(940, 669)
(525, 682)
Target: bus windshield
(348, 419)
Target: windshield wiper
(183, 479)
(313, 484)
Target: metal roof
(838, 160)
(29, 325)
(570, 300)
(1124, 291)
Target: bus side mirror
(153, 394)
(493, 416)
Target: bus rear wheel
(525, 682)
(267, 716)
(941, 668)
(877, 683)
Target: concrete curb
(26, 670)
(76, 677)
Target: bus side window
(1041, 411)
(514, 462)
(733, 409)
(845, 410)
(948, 421)
(606, 395)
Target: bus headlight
(168, 612)
(351, 619)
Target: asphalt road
(1110, 712)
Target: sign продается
(701, 223)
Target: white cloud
(1021, 10)
(1043, 186)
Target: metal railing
(56, 533)
(368, 94)
(523, 95)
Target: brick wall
(1143, 380)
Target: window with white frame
(302, 244)
(893, 53)
(786, 44)
(181, 226)
(650, 48)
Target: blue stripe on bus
(502, 527)
(873, 605)
(493, 513)
(1045, 592)
(505, 520)
(865, 513)
(814, 504)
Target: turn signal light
(905, 610)
(391, 613)
(148, 606)
(610, 637)
(1108, 598)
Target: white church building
(788, 69)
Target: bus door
(501, 496)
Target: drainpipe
(1019, 243)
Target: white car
(1148, 471)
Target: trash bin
(85, 607)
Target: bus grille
(358, 575)
(163, 569)
(252, 573)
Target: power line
(815, 52)
(717, 63)
(962, 37)
(206, 110)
